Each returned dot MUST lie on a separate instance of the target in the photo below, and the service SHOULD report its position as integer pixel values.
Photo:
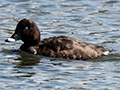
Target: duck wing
(57, 43)
(69, 48)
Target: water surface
(95, 21)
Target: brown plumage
(57, 47)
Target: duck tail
(107, 52)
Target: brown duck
(57, 47)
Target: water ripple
(88, 20)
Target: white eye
(26, 27)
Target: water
(95, 21)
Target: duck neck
(25, 47)
(31, 44)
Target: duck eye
(26, 27)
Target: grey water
(94, 21)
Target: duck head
(27, 31)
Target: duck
(64, 47)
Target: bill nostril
(16, 37)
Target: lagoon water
(94, 21)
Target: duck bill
(13, 38)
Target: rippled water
(95, 21)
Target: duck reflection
(26, 59)
(20, 58)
